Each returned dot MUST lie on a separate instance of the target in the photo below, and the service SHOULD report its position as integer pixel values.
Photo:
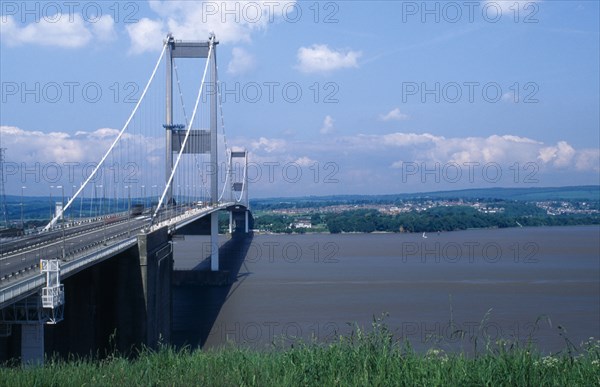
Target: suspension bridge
(118, 227)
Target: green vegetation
(436, 218)
(363, 359)
(273, 222)
(278, 223)
(449, 219)
(433, 211)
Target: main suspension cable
(100, 164)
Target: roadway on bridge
(82, 240)
(73, 244)
(72, 227)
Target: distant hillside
(584, 193)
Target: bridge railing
(31, 285)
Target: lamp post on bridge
(92, 211)
(73, 216)
(81, 204)
(178, 199)
(73, 196)
(62, 219)
(22, 222)
(143, 194)
(51, 206)
(98, 206)
(128, 188)
(157, 195)
(101, 215)
(102, 199)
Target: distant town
(551, 207)
(444, 211)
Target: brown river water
(452, 290)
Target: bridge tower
(205, 141)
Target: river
(453, 290)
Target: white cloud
(502, 149)
(67, 31)
(241, 62)
(509, 96)
(99, 134)
(104, 29)
(146, 35)
(376, 163)
(305, 161)
(378, 158)
(408, 139)
(38, 158)
(232, 22)
(269, 145)
(429, 148)
(373, 142)
(319, 58)
(509, 8)
(35, 146)
(58, 147)
(588, 160)
(327, 125)
(394, 115)
(559, 155)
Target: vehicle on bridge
(136, 210)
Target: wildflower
(550, 361)
(437, 354)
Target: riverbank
(405, 232)
(360, 359)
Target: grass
(361, 359)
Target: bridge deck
(83, 249)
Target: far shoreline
(257, 232)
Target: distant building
(302, 223)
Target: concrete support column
(32, 344)
(214, 241)
(246, 221)
(156, 267)
(230, 222)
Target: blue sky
(396, 96)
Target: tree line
(435, 219)
(444, 219)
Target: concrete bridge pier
(32, 343)
(214, 241)
(240, 219)
(119, 304)
(156, 267)
(236, 220)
